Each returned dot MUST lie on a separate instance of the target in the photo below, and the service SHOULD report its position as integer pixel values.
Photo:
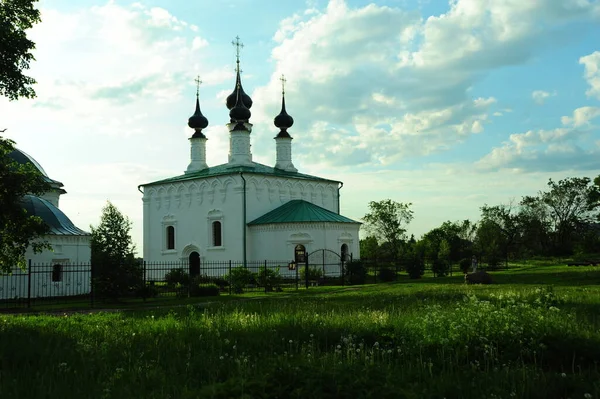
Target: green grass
(535, 334)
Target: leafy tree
(571, 202)
(116, 273)
(18, 229)
(506, 219)
(490, 241)
(16, 16)
(387, 221)
(369, 248)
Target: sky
(445, 105)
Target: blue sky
(447, 105)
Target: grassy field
(534, 334)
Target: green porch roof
(226, 169)
(300, 211)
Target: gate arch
(329, 262)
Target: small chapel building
(243, 211)
(57, 271)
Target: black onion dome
(283, 120)
(232, 98)
(239, 113)
(198, 121)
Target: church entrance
(194, 263)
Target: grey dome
(57, 222)
(23, 158)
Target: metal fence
(52, 285)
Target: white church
(242, 210)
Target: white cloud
(591, 63)
(540, 96)
(581, 116)
(562, 148)
(380, 84)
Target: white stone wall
(277, 242)
(190, 206)
(72, 252)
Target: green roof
(226, 169)
(300, 211)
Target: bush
(356, 272)
(239, 278)
(415, 267)
(465, 265)
(147, 291)
(387, 274)
(493, 262)
(439, 267)
(268, 278)
(314, 273)
(177, 276)
(197, 289)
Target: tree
(571, 203)
(115, 271)
(369, 248)
(387, 221)
(16, 16)
(18, 229)
(507, 222)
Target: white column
(197, 155)
(283, 149)
(239, 144)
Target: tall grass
(399, 340)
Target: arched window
(216, 234)
(56, 273)
(170, 237)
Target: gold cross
(198, 83)
(238, 45)
(283, 80)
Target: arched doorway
(194, 264)
(344, 253)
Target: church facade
(243, 211)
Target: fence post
(306, 272)
(265, 277)
(342, 271)
(29, 284)
(91, 285)
(229, 275)
(297, 278)
(145, 283)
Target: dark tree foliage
(116, 272)
(18, 229)
(387, 221)
(16, 16)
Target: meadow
(533, 334)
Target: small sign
(300, 254)
(292, 266)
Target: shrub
(147, 291)
(356, 272)
(387, 274)
(268, 278)
(177, 276)
(493, 262)
(197, 289)
(465, 265)
(239, 278)
(439, 267)
(415, 267)
(314, 273)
